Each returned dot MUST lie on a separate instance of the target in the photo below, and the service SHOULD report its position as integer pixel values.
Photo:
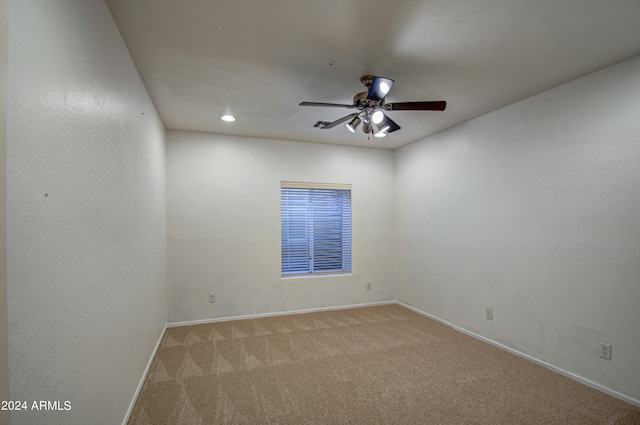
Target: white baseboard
(144, 377)
(277, 313)
(561, 371)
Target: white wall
(534, 210)
(86, 216)
(4, 348)
(224, 224)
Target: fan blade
(379, 88)
(340, 121)
(392, 125)
(335, 105)
(438, 105)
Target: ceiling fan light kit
(371, 104)
(353, 124)
(377, 117)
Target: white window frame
(300, 255)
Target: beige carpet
(372, 365)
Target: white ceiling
(258, 59)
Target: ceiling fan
(371, 108)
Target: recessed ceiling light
(228, 117)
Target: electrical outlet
(368, 285)
(605, 351)
(212, 297)
(489, 313)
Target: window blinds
(316, 228)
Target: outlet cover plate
(605, 351)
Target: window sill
(314, 276)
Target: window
(316, 228)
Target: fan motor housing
(360, 98)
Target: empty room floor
(370, 365)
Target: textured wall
(224, 224)
(86, 215)
(534, 210)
